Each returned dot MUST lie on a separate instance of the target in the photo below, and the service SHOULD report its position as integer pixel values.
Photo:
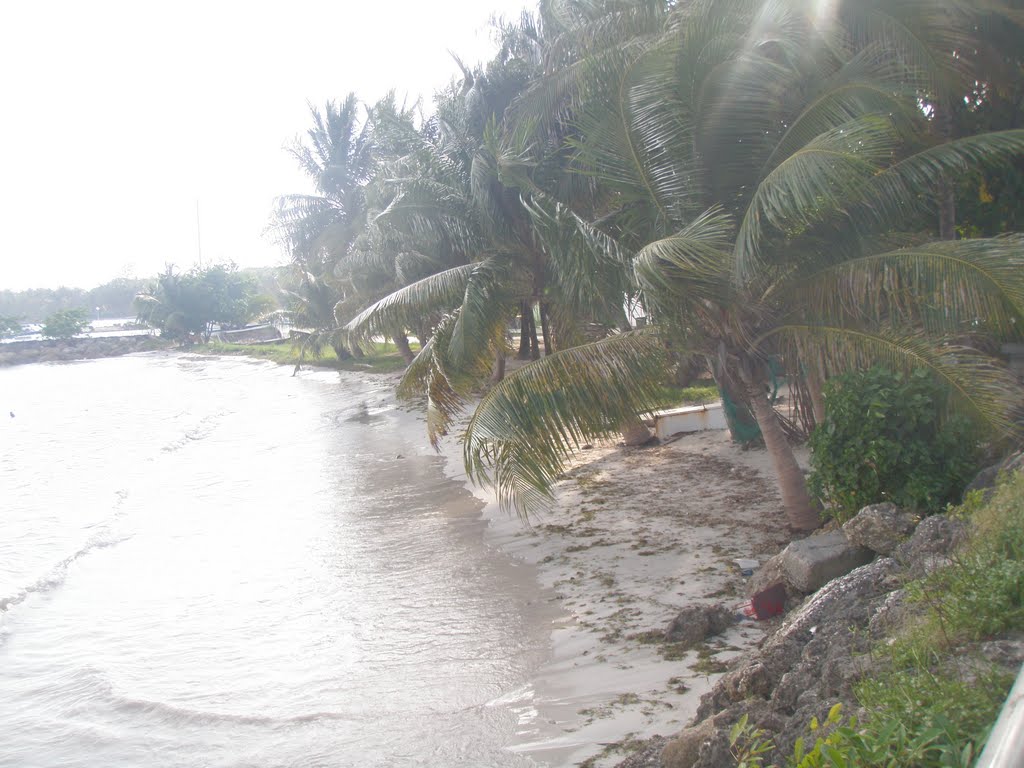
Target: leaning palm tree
(768, 171)
(500, 250)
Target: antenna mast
(199, 236)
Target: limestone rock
(684, 749)
(697, 622)
(811, 563)
(879, 527)
(929, 548)
(985, 480)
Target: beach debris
(767, 603)
(694, 624)
(879, 527)
(746, 565)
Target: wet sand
(635, 535)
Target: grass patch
(703, 392)
(380, 357)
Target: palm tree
(318, 230)
(767, 170)
(462, 205)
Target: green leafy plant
(885, 439)
(748, 744)
(65, 324)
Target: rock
(811, 646)
(684, 749)
(811, 662)
(879, 527)
(697, 622)
(986, 479)
(809, 564)
(929, 548)
(768, 575)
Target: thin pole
(199, 237)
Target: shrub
(9, 326)
(884, 439)
(65, 324)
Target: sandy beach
(635, 535)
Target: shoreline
(635, 535)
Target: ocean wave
(185, 715)
(203, 429)
(56, 576)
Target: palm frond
(527, 427)
(956, 286)
(979, 384)
(690, 267)
(403, 308)
(814, 181)
(905, 187)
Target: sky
(119, 119)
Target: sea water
(210, 562)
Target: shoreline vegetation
(812, 207)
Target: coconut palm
(770, 171)
(319, 229)
(501, 250)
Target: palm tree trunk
(499, 367)
(814, 376)
(946, 192)
(524, 330)
(534, 341)
(402, 342)
(742, 423)
(549, 344)
(800, 510)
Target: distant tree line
(117, 298)
(114, 299)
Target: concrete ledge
(692, 418)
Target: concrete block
(811, 563)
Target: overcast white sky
(116, 117)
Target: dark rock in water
(879, 527)
(930, 546)
(810, 563)
(695, 623)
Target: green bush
(884, 439)
(65, 324)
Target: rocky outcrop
(818, 652)
(879, 527)
(695, 624)
(58, 350)
(985, 480)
